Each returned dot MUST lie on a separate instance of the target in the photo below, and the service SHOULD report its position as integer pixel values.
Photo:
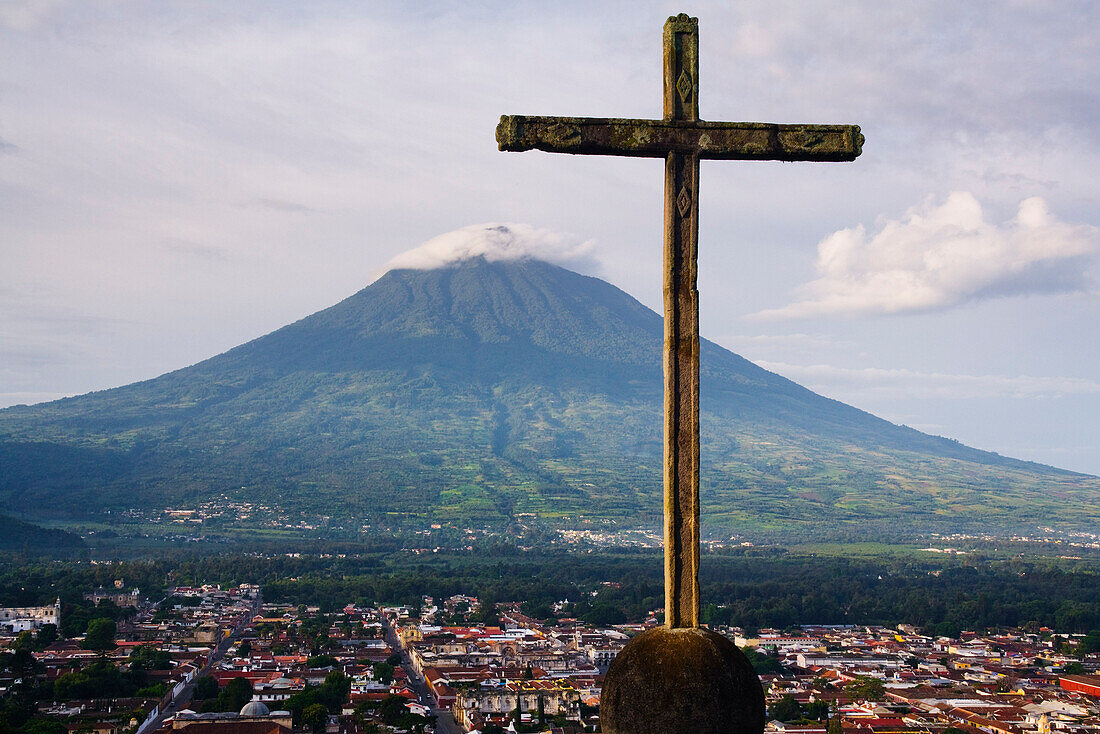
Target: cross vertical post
(681, 349)
(682, 140)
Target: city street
(180, 702)
(445, 723)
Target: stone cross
(682, 139)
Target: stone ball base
(681, 681)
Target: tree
(412, 722)
(100, 635)
(761, 663)
(869, 689)
(383, 672)
(46, 636)
(321, 642)
(1090, 643)
(391, 709)
(816, 711)
(44, 726)
(24, 639)
(604, 615)
(786, 709)
(101, 679)
(315, 716)
(147, 657)
(153, 690)
(487, 610)
(298, 703)
(334, 691)
(205, 687)
(237, 692)
(21, 662)
(1074, 668)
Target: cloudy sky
(179, 177)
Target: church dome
(255, 708)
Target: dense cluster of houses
(519, 671)
(438, 668)
(187, 636)
(1011, 683)
(275, 655)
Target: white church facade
(18, 619)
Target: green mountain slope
(19, 536)
(481, 391)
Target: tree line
(943, 595)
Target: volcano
(483, 391)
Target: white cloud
(941, 255)
(315, 141)
(186, 247)
(496, 242)
(795, 348)
(278, 205)
(22, 15)
(904, 383)
(800, 341)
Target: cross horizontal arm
(657, 138)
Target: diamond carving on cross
(682, 139)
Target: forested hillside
(477, 393)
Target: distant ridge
(485, 390)
(25, 537)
